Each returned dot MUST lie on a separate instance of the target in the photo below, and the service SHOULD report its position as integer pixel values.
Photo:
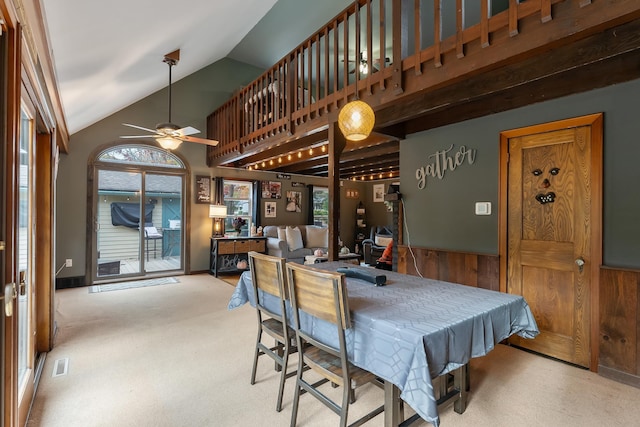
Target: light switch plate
(483, 208)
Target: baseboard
(70, 282)
(619, 376)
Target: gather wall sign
(443, 161)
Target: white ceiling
(108, 54)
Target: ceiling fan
(169, 135)
(363, 65)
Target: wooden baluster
(398, 30)
(356, 72)
(345, 34)
(336, 63)
(545, 10)
(459, 29)
(317, 77)
(484, 23)
(383, 46)
(326, 69)
(417, 36)
(370, 58)
(437, 32)
(513, 18)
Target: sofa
(285, 242)
(374, 246)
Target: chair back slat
(322, 294)
(269, 274)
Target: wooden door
(553, 249)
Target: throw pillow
(282, 235)
(383, 241)
(294, 238)
(317, 237)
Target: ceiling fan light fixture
(364, 67)
(169, 142)
(356, 120)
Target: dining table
(416, 334)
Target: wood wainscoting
(477, 270)
(619, 306)
(620, 325)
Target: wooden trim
(44, 268)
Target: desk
(414, 329)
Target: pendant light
(356, 118)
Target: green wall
(193, 98)
(442, 214)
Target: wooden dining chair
(268, 277)
(323, 295)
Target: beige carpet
(174, 356)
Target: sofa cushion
(282, 234)
(317, 237)
(383, 241)
(294, 238)
(270, 231)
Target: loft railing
(389, 38)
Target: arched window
(145, 155)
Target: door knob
(580, 264)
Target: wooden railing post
(337, 143)
(400, 33)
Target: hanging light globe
(356, 120)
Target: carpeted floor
(174, 356)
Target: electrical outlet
(68, 262)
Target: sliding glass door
(118, 232)
(138, 207)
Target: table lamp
(218, 213)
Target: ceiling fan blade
(211, 142)
(138, 136)
(186, 131)
(139, 127)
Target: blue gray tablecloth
(415, 329)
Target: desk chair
(323, 295)
(267, 276)
(151, 233)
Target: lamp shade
(356, 120)
(169, 143)
(217, 211)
